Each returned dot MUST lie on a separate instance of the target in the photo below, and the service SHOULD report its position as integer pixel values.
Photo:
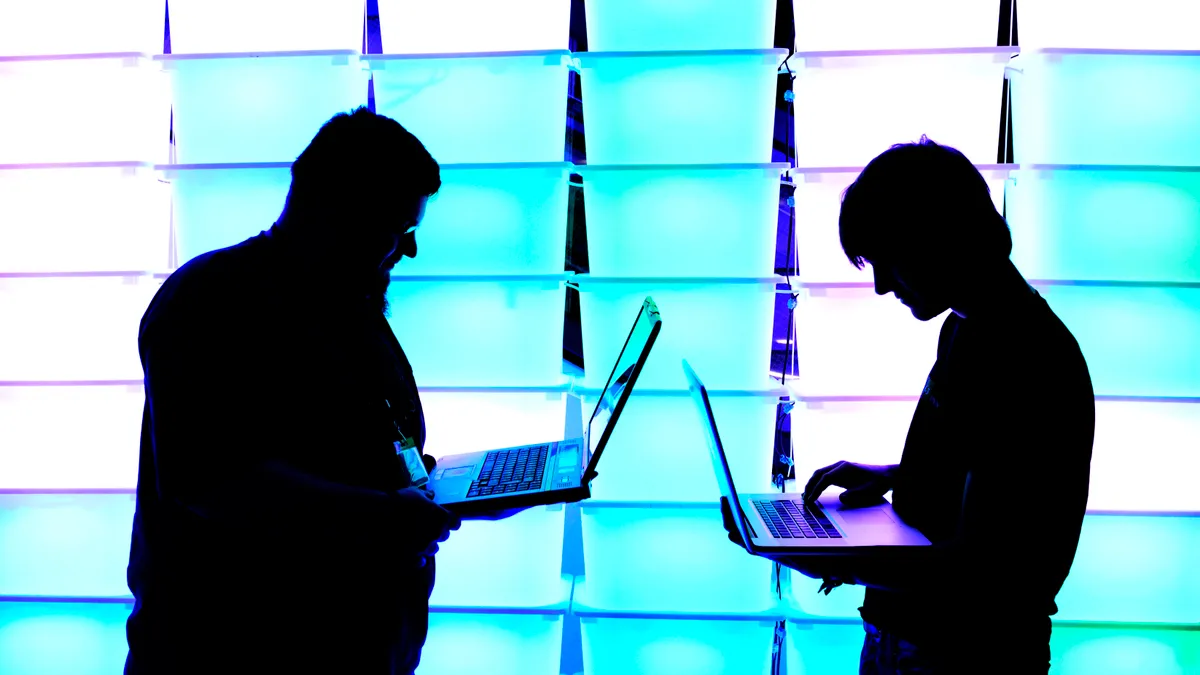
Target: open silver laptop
(783, 523)
(553, 472)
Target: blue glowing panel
(722, 327)
(83, 220)
(258, 108)
(716, 221)
(458, 422)
(1107, 108)
(497, 108)
(1137, 341)
(208, 26)
(72, 328)
(1107, 225)
(684, 562)
(66, 438)
(42, 638)
(418, 27)
(652, 108)
(503, 644)
(1110, 24)
(639, 25)
(219, 207)
(65, 545)
(849, 109)
(824, 648)
(886, 24)
(1135, 569)
(659, 449)
(500, 219)
(81, 27)
(627, 645)
(102, 109)
(481, 332)
(1123, 651)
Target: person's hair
(921, 197)
(354, 155)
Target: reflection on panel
(621, 645)
(503, 644)
(208, 26)
(418, 27)
(638, 25)
(43, 638)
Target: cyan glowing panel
(221, 205)
(504, 644)
(470, 421)
(258, 108)
(1123, 651)
(494, 219)
(55, 638)
(668, 558)
(65, 438)
(481, 331)
(652, 108)
(676, 221)
(1137, 341)
(72, 328)
(1110, 24)
(208, 26)
(850, 108)
(419, 27)
(806, 602)
(625, 645)
(886, 24)
(81, 27)
(481, 108)
(824, 648)
(65, 545)
(670, 25)
(818, 198)
(659, 449)
(103, 109)
(95, 219)
(1106, 224)
(1080, 107)
(723, 327)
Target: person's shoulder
(213, 283)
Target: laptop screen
(621, 380)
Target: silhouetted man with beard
(276, 529)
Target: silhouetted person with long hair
(995, 467)
(276, 529)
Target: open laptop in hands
(783, 523)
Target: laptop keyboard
(793, 519)
(515, 470)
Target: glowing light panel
(210, 26)
(1123, 651)
(41, 638)
(504, 644)
(417, 27)
(617, 645)
(217, 206)
(1110, 24)
(823, 648)
(642, 25)
(886, 24)
(470, 421)
(81, 27)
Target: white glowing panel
(481, 108)
(684, 562)
(1110, 24)
(659, 449)
(524, 562)
(494, 219)
(94, 219)
(499, 644)
(66, 438)
(72, 328)
(818, 198)
(222, 205)
(258, 108)
(850, 108)
(1124, 651)
(651, 108)
(104, 109)
(866, 432)
(458, 422)
(1106, 224)
(670, 25)
(824, 648)
(887, 24)
(65, 545)
(44, 638)
(1106, 108)
(481, 332)
(209, 26)
(852, 342)
(631, 644)
(722, 327)
(679, 221)
(420, 27)
(81, 27)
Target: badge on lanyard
(406, 450)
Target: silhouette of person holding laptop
(995, 467)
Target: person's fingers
(819, 483)
(817, 477)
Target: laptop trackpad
(865, 517)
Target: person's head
(922, 216)
(358, 194)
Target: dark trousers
(884, 653)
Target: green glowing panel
(43, 638)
